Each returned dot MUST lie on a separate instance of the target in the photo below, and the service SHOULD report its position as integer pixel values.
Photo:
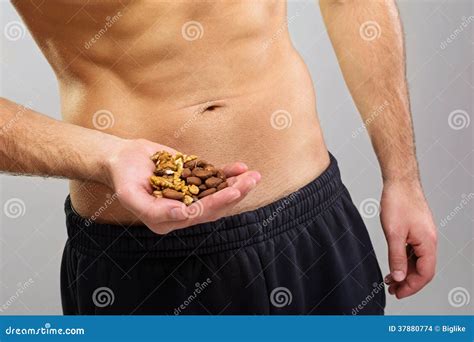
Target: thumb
(397, 258)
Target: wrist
(109, 154)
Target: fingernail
(177, 214)
(398, 275)
(234, 194)
(243, 166)
(257, 176)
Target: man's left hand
(411, 235)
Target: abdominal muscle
(267, 121)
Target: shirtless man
(220, 80)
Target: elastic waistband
(228, 233)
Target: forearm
(34, 144)
(368, 41)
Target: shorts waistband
(227, 233)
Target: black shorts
(307, 253)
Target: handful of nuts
(185, 178)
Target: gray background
(440, 81)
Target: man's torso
(217, 79)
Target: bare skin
(239, 92)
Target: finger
(234, 169)
(397, 257)
(241, 180)
(392, 288)
(150, 209)
(215, 202)
(211, 207)
(420, 272)
(388, 279)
